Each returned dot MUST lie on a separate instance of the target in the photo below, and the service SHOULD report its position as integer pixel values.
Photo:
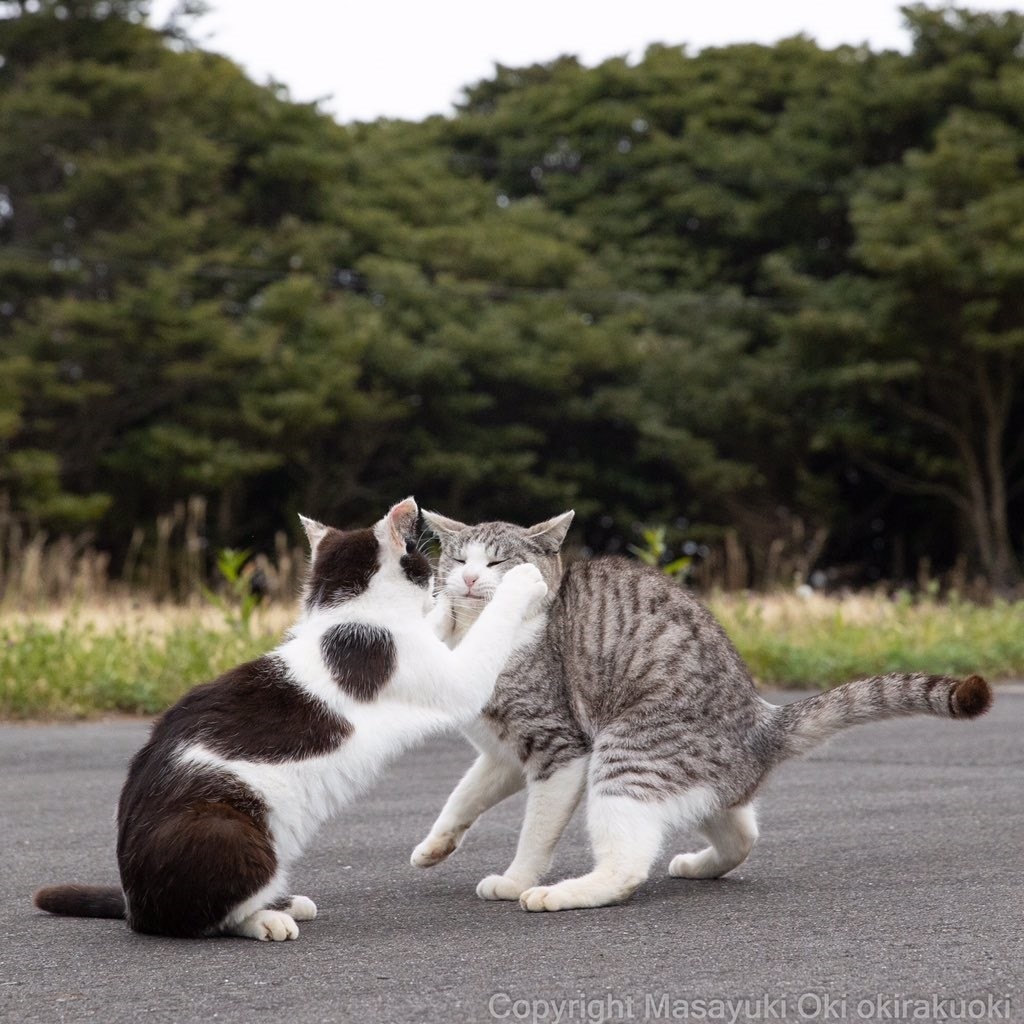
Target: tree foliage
(758, 293)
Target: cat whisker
(469, 603)
(424, 543)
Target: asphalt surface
(889, 868)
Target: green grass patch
(819, 642)
(139, 661)
(77, 669)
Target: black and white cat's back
(237, 777)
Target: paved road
(889, 865)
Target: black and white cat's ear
(551, 533)
(315, 532)
(403, 520)
(442, 526)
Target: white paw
(269, 926)
(694, 865)
(434, 849)
(302, 908)
(546, 897)
(526, 579)
(499, 887)
(574, 893)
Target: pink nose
(470, 578)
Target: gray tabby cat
(629, 689)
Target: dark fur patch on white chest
(361, 658)
(254, 712)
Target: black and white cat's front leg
(265, 925)
(458, 683)
(269, 920)
(441, 618)
(299, 908)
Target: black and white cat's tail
(81, 900)
(804, 724)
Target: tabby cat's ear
(441, 526)
(315, 532)
(551, 533)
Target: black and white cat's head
(475, 558)
(346, 564)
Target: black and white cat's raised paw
(732, 832)
(527, 580)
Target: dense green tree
(921, 340)
(766, 293)
(151, 196)
(945, 341)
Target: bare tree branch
(911, 485)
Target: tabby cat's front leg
(489, 780)
(550, 804)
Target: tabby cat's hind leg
(732, 834)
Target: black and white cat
(239, 774)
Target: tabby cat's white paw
(434, 849)
(695, 865)
(269, 926)
(499, 887)
(544, 897)
(573, 894)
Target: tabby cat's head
(384, 558)
(474, 558)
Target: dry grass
(136, 656)
(789, 639)
(77, 665)
(144, 617)
(78, 638)
(167, 561)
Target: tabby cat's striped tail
(806, 723)
(81, 900)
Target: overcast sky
(388, 58)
